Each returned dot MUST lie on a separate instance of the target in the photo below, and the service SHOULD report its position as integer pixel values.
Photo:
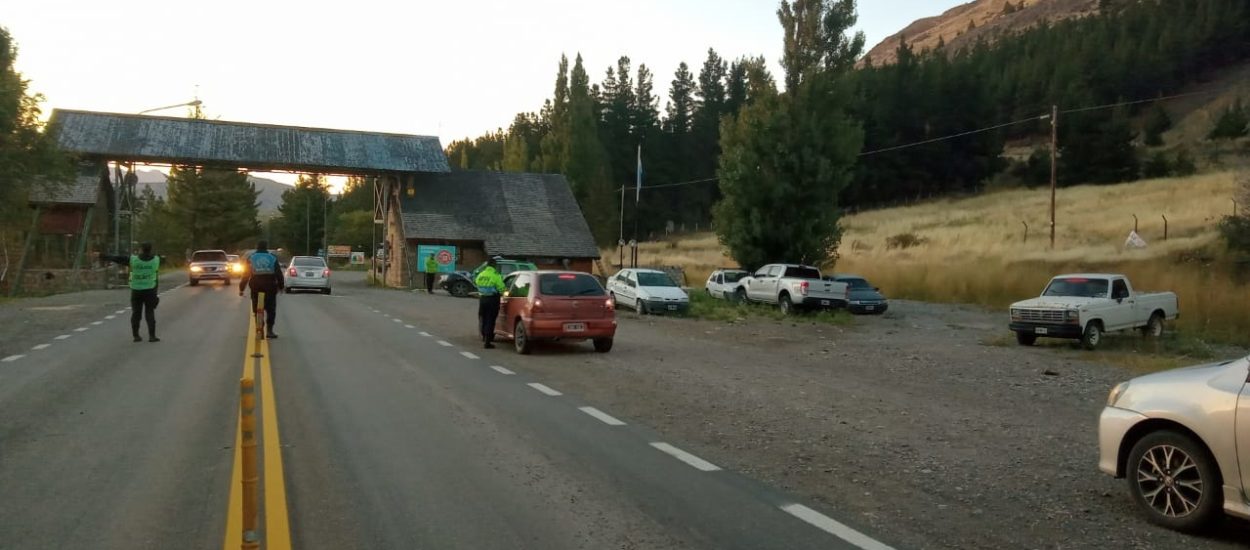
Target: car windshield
(232, 258)
(647, 278)
(569, 284)
(857, 284)
(306, 261)
(734, 276)
(1079, 287)
(802, 273)
(209, 256)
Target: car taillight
(538, 305)
(608, 304)
(325, 273)
(291, 272)
(803, 286)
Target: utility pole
(325, 234)
(620, 240)
(1054, 167)
(307, 226)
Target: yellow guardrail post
(260, 324)
(251, 505)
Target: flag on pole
(638, 188)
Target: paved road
(391, 437)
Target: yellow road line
(277, 524)
(234, 508)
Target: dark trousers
(429, 283)
(143, 305)
(487, 313)
(271, 301)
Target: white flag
(1134, 241)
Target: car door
(512, 304)
(620, 287)
(774, 282)
(756, 288)
(1242, 425)
(714, 284)
(1120, 315)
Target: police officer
(263, 273)
(144, 271)
(490, 289)
(431, 267)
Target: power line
(953, 136)
(662, 186)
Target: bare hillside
(964, 24)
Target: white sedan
(647, 291)
(723, 283)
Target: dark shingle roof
(514, 214)
(83, 190)
(170, 140)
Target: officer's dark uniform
(263, 273)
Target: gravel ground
(906, 425)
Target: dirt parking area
(909, 424)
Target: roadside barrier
(247, 423)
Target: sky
(443, 68)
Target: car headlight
(1072, 315)
(1015, 314)
(196, 269)
(1116, 393)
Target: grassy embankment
(973, 250)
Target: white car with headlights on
(1182, 440)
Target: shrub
(1235, 231)
(1232, 124)
(903, 241)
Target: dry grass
(973, 250)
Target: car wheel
(640, 307)
(1154, 327)
(193, 282)
(603, 345)
(326, 291)
(1174, 480)
(1092, 336)
(740, 296)
(460, 289)
(288, 290)
(1026, 338)
(615, 304)
(787, 307)
(521, 340)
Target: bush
(903, 241)
(1235, 231)
(1232, 124)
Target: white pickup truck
(792, 287)
(1086, 306)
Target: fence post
(1165, 227)
(1135, 224)
(1026, 231)
(247, 429)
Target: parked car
(793, 288)
(308, 273)
(647, 291)
(555, 305)
(864, 298)
(235, 265)
(1182, 440)
(1086, 306)
(462, 283)
(208, 265)
(723, 283)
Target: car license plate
(824, 302)
(1040, 330)
(871, 308)
(574, 327)
(672, 308)
(310, 274)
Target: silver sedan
(1182, 439)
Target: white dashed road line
(426, 334)
(833, 527)
(11, 358)
(543, 388)
(80, 329)
(696, 462)
(409, 326)
(602, 416)
(444, 343)
(62, 337)
(119, 312)
(97, 323)
(397, 320)
(501, 370)
(110, 317)
(41, 346)
(469, 355)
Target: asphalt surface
(390, 439)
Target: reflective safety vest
(489, 283)
(431, 264)
(143, 272)
(263, 263)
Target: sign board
(444, 255)
(358, 258)
(340, 251)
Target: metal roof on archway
(262, 147)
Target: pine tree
(1232, 123)
(585, 162)
(554, 143)
(299, 226)
(787, 157)
(1157, 122)
(679, 112)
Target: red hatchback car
(555, 305)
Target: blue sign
(445, 256)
